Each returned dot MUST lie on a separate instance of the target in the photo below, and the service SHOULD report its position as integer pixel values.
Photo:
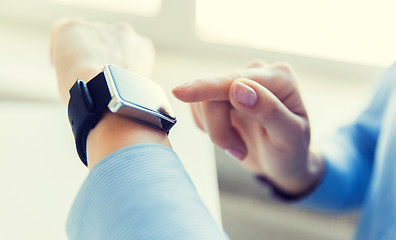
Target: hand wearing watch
(122, 92)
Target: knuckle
(257, 63)
(66, 26)
(301, 132)
(284, 66)
(301, 129)
(289, 84)
(270, 112)
(284, 73)
(218, 137)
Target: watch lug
(114, 105)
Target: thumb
(261, 105)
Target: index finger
(217, 88)
(210, 89)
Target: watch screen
(139, 91)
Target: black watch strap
(87, 103)
(282, 195)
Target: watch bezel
(117, 102)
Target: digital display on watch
(139, 91)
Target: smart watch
(122, 92)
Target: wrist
(296, 189)
(67, 76)
(313, 173)
(304, 179)
(99, 132)
(114, 132)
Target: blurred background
(337, 47)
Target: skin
(80, 49)
(261, 120)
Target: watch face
(136, 96)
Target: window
(307, 32)
(355, 31)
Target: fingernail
(234, 153)
(244, 94)
(184, 85)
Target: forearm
(140, 192)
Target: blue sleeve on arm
(350, 154)
(140, 192)
(345, 181)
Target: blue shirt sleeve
(349, 155)
(140, 192)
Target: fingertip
(180, 91)
(236, 146)
(175, 91)
(235, 153)
(178, 95)
(188, 92)
(212, 89)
